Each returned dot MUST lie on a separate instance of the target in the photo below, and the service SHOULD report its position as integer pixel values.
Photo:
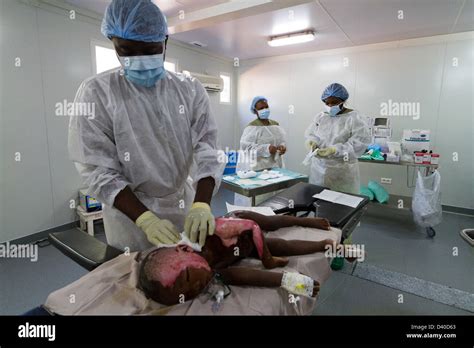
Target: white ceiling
(244, 31)
(169, 7)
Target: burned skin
(190, 282)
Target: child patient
(167, 274)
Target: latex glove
(282, 149)
(326, 152)
(158, 231)
(312, 145)
(199, 219)
(272, 149)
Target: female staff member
(263, 138)
(341, 135)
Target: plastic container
(419, 157)
(393, 158)
(88, 203)
(426, 158)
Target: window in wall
(225, 94)
(105, 59)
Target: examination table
(110, 287)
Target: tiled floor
(25, 284)
(393, 242)
(343, 294)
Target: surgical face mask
(264, 114)
(143, 70)
(333, 110)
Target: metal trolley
(428, 168)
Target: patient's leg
(274, 222)
(269, 260)
(282, 247)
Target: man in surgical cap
(150, 128)
(341, 136)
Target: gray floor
(344, 294)
(26, 284)
(391, 241)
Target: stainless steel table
(267, 188)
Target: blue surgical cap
(137, 20)
(255, 101)
(335, 90)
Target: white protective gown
(257, 139)
(147, 139)
(349, 134)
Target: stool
(87, 219)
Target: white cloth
(349, 134)
(258, 139)
(185, 241)
(147, 139)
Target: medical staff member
(263, 140)
(341, 135)
(149, 126)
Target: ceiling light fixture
(291, 39)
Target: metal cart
(429, 169)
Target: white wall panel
(417, 71)
(56, 58)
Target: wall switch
(386, 181)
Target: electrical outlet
(387, 181)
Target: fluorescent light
(291, 39)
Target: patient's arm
(254, 277)
(274, 222)
(250, 276)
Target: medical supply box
(381, 131)
(87, 202)
(426, 158)
(415, 140)
(232, 159)
(435, 158)
(418, 156)
(381, 127)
